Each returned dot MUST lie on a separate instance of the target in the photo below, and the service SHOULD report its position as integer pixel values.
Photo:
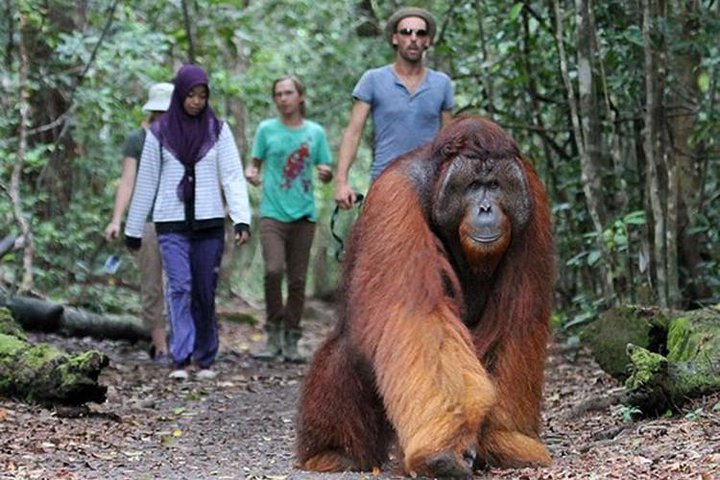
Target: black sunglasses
(406, 32)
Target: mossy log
(664, 357)
(40, 315)
(43, 374)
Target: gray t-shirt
(134, 144)
(133, 148)
(402, 121)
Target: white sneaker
(179, 374)
(206, 374)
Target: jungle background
(614, 102)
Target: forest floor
(241, 424)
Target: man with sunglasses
(409, 102)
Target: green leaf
(704, 82)
(593, 257)
(515, 12)
(635, 218)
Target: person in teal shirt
(289, 150)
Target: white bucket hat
(159, 96)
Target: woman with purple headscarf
(190, 162)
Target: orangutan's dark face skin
(479, 205)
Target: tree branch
(188, 31)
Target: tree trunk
(41, 373)
(188, 31)
(15, 179)
(40, 315)
(585, 135)
(685, 98)
(624, 271)
(660, 177)
(663, 356)
(485, 80)
(588, 121)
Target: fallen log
(41, 315)
(34, 314)
(82, 323)
(664, 357)
(43, 374)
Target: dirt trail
(240, 425)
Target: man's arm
(344, 195)
(324, 173)
(122, 196)
(446, 117)
(252, 172)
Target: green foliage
(502, 56)
(627, 413)
(8, 325)
(10, 345)
(648, 367)
(696, 414)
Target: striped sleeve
(232, 179)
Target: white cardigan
(218, 174)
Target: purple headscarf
(187, 138)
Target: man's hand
(344, 195)
(112, 231)
(324, 173)
(252, 175)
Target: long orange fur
(402, 365)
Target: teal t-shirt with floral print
(289, 159)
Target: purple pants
(192, 267)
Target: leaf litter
(241, 425)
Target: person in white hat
(408, 101)
(148, 257)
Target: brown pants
(151, 280)
(285, 244)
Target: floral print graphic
(294, 167)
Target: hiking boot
(273, 347)
(290, 350)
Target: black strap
(340, 251)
